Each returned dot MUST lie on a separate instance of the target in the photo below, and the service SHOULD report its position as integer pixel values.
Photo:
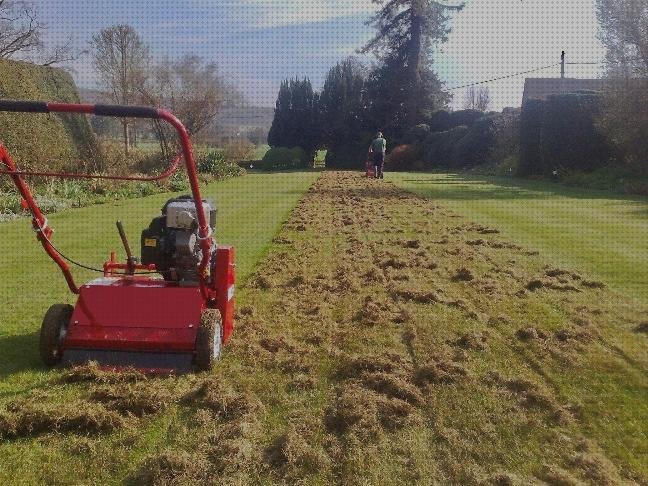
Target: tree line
(21, 36)
(398, 91)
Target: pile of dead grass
(93, 373)
(173, 467)
(440, 370)
(297, 452)
(531, 395)
(132, 399)
(223, 401)
(365, 413)
(28, 418)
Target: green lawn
(251, 210)
(601, 233)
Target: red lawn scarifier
(131, 316)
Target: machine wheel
(209, 339)
(53, 331)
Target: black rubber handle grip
(126, 111)
(24, 106)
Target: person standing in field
(378, 149)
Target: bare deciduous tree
(624, 31)
(19, 29)
(121, 59)
(189, 87)
(477, 98)
(21, 36)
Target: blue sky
(257, 43)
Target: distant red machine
(369, 167)
(170, 311)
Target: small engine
(171, 241)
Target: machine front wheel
(209, 339)
(53, 331)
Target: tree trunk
(126, 137)
(414, 66)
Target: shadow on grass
(469, 187)
(19, 353)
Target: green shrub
(624, 179)
(214, 163)
(347, 156)
(531, 135)
(476, 146)
(279, 158)
(624, 119)
(465, 118)
(440, 121)
(404, 157)
(438, 147)
(238, 150)
(416, 134)
(507, 136)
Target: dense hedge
(476, 147)
(348, 156)
(279, 158)
(214, 164)
(442, 121)
(561, 134)
(40, 141)
(438, 148)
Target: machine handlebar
(186, 153)
(120, 111)
(24, 106)
(126, 111)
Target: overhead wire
(476, 83)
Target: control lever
(131, 261)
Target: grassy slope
(601, 233)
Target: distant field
(601, 233)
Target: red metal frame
(369, 167)
(154, 318)
(40, 222)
